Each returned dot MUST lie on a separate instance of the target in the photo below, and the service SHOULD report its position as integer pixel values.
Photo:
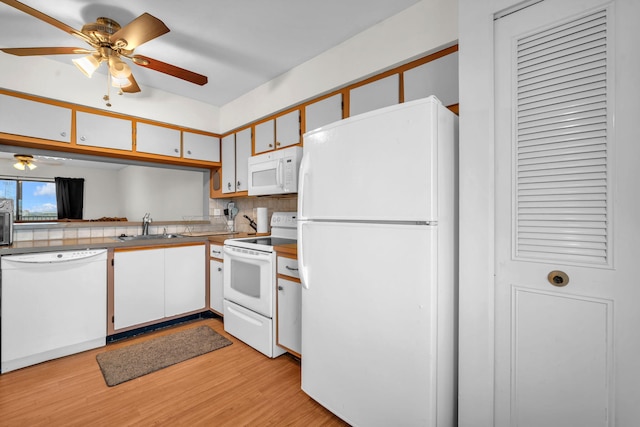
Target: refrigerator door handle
(302, 175)
(304, 278)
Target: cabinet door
(323, 112)
(201, 147)
(215, 286)
(289, 315)
(229, 164)
(378, 94)
(157, 140)
(288, 129)
(265, 136)
(20, 116)
(103, 131)
(138, 287)
(243, 152)
(439, 78)
(184, 279)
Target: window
(32, 200)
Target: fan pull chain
(106, 97)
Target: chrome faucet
(146, 220)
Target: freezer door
(369, 321)
(376, 166)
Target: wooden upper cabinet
(97, 130)
(377, 94)
(19, 116)
(157, 140)
(323, 112)
(438, 77)
(288, 129)
(197, 146)
(265, 136)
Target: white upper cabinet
(103, 131)
(288, 129)
(157, 140)
(377, 94)
(243, 152)
(438, 77)
(20, 116)
(323, 112)
(236, 150)
(229, 164)
(265, 136)
(197, 146)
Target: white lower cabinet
(216, 295)
(289, 335)
(184, 279)
(151, 284)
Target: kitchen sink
(124, 238)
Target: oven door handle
(245, 255)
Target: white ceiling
(237, 44)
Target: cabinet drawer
(288, 267)
(215, 251)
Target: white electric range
(250, 284)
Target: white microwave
(275, 172)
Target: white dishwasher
(52, 304)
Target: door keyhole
(558, 278)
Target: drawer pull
(290, 268)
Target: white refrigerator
(377, 250)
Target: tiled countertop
(52, 245)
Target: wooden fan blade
(30, 51)
(46, 18)
(142, 29)
(172, 70)
(134, 88)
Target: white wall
(167, 194)
(56, 80)
(425, 27)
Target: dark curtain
(70, 196)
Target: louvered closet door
(554, 243)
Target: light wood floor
(233, 386)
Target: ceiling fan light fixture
(120, 82)
(23, 165)
(87, 64)
(119, 69)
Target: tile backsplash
(27, 232)
(87, 230)
(247, 206)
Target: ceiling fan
(110, 43)
(29, 162)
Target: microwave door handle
(280, 174)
